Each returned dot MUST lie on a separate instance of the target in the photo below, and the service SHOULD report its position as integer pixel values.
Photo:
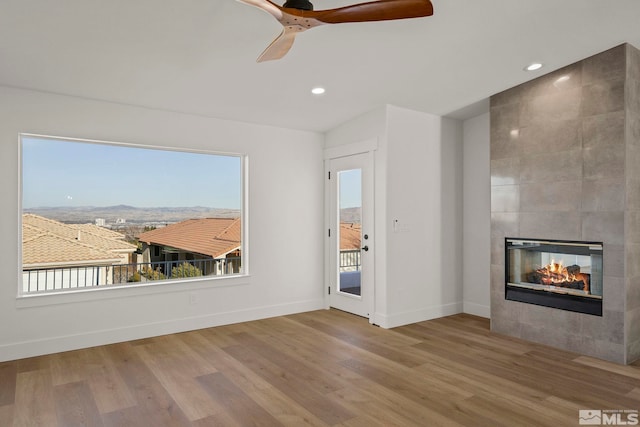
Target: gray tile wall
(632, 219)
(564, 150)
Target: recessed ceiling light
(317, 90)
(532, 67)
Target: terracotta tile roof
(350, 235)
(213, 237)
(49, 242)
(97, 230)
(90, 234)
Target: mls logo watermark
(590, 417)
(608, 417)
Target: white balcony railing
(71, 278)
(350, 260)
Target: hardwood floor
(322, 368)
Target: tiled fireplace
(565, 207)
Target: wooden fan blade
(381, 10)
(297, 20)
(269, 7)
(280, 46)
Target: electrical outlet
(192, 299)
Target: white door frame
(367, 147)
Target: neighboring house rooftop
(350, 236)
(214, 237)
(99, 231)
(90, 234)
(46, 242)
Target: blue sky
(64, 173)
(351, 188)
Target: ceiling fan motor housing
(298, 4)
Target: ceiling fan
(297, 16)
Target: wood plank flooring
(324, 368)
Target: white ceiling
(198, 56)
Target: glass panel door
(351, 243)
(350, 230)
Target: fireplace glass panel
(566, 275)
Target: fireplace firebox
(559, 274)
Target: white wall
(286, 211)
(476, 216)
(370, 125)
(451, 210)
(423, 188)
(419, 184)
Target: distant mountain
(351, 215)
(161, 215)
(131, 214)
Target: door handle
(366, 248)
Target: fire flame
(555, 273)
(557, 268)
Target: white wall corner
(476, 309)
(415, 316)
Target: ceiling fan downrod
(298, 4)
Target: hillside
(131, 214)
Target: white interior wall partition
(476, 216)
(418, 202)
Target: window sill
(127, 291)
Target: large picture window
(97, 214)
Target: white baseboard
(476, 309)
(20, 350)
(408, 317)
